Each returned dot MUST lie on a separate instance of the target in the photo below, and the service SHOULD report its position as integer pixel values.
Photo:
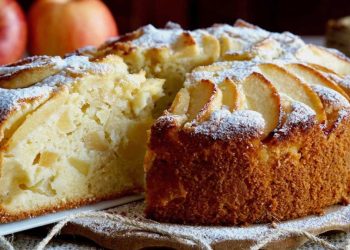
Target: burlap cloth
(135, 232)
(30, 239)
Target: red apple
(13, 31)
(57, 27)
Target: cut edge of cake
(75, 137)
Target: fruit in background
(13, 31)
(58, 27)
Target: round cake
(249, 126)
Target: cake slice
(72, 132)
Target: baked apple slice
(211, 70)
(262, 96)
(267, 49)
(342, 81)
(180, 103)
(288, 84)
(334, 103)
(327, 58)
(29, 71)
(312, 76)
(231, 95)
(185, 45)
(243, 24)
(205, 97)
(228, 44)
(321, 68)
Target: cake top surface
(154, 38)
(32, 62)
(280, 66)
(226, 125)
(61, 71)
(297, 93)
(252, 34)
(245, 124)
(243, 38)
(218, 72)
(150, 37)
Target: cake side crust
(198, 180)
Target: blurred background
(303, 17)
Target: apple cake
(73, 131)
(245, 126)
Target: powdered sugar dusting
(12, 99)
(156, 38)
(244, 37)
(343, 82)
(153, 37)
(248, 38)
(289, 42)
(301, 116)
(242, 33)
(225, 125)
(235, 70)
(301, 113)
(337, 217)
(33, 62)
(335, 99)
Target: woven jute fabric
(125, 227)
(30, 239)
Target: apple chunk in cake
(75, 137)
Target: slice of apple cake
(73, 131)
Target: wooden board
(114, 234)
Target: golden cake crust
(236, 178)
